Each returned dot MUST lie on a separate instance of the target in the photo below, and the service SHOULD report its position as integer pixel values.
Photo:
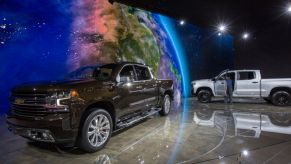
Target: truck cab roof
(243, 70)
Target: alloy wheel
(282, 99)
(167, 104)
(98, 130)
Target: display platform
(247, 132)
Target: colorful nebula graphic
(105, 33)
(45, 40)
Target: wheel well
(204, 88)
(170, 93)
(108, 106)
(287, 89)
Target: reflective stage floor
(244, 132)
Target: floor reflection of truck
(246, 83)
(254, 123)
(248, 124)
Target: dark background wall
(206, 52)
(269, 51)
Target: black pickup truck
(84, 110)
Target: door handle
(139, 87)
(254, 82)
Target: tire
(281, 119)
(281, 98)
(268, 100)
(92, 131)
(204, 96)
(166, 107)
(204, 113)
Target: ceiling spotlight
(289, 9)
(222, 28)
(182, 22)
(219, 34)
(245, 36)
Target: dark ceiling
(241, 15)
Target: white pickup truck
(246, 83)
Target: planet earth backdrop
(45, 40)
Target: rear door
(149, 85)
(248, 84)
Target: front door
(220, 83)
(219, 87)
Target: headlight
(59, 99)
(60, 95)
(193, 83)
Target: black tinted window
(88, 72)
(104, 72)
(142, 73)
(246, 75)
(127, 71)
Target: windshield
(219, 75)
(93, 72)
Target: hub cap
(204, 97)
(283, 99)
(167, 104)
(98, 130)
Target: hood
(51, 86)
(202, 80)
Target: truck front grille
(26, 104)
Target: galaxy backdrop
(45, 40)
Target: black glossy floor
(244, 132)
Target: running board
(135, 119)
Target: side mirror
(213, 79)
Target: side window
(231, 75)
(246, 76)
(142, 73)
(222, 77)
(127, 71)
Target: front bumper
(42, 135)
(54, 128)
(193, 92)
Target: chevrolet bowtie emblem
(18, 101)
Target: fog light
(40, 135)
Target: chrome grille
(29, 104)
